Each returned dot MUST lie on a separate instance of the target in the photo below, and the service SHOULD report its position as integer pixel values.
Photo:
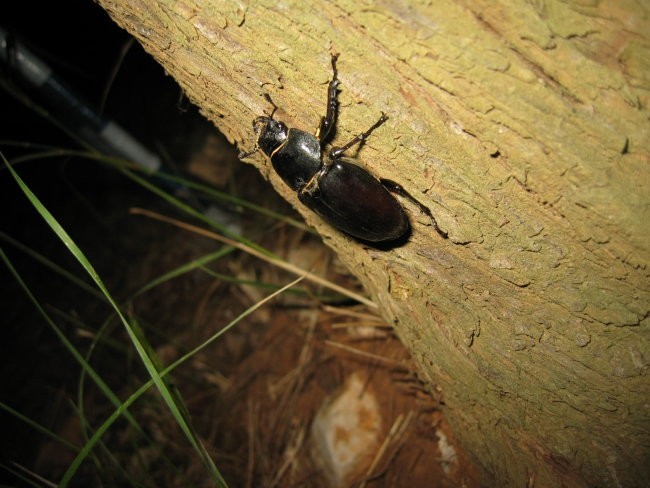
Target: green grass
(144, 350)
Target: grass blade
(164, 390)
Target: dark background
(81, 44)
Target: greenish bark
(524, 127)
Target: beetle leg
(337, 152)
(311, 188)
(327, 122)
(398, 189)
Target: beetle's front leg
(328, 122)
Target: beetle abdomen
(354, 201)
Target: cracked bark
(524, 127)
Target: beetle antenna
(275, 107)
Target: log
(523, 126)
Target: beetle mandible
(344, 194)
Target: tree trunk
(524, 127)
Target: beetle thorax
(298, 159)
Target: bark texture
(524, 127)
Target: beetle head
(270, 134)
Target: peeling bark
(524, 127)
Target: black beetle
(341, 192)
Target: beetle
(341, 192)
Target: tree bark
(524, 127)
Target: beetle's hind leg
(327, 123)
(398, 189)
